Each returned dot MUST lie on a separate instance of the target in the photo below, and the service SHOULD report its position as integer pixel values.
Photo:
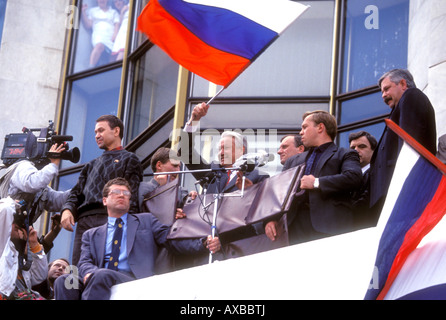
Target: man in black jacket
(331, 174)
(413, 112)
(84, 204)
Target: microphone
(204, 181)
(259, 158)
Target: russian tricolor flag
(417, 209)
(216, 39)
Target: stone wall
(31, 60)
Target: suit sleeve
(176, 247)
(417, 118)
(86, 262)
(349, 178)
(133, 175)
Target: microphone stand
(217, 196)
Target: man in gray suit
(100, 268)
(331, 174)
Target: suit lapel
(133, 223)
(325, 156)
(99, 244)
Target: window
(90, 97)
(154, 89)
(269, 98)
(2, 17)
(102, 33)
(374, 41)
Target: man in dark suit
(365, 144)
(331, 174)
(104, 262)
(413, 112)
(232, 146)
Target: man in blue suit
(331, 174)
(100, 268)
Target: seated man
(124, 249)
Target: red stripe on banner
(416, 145)
(186, 49)
(431, 215)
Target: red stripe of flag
(162, 28)
(431, 215)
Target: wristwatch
(316, 183)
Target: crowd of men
(343, 190)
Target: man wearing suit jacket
(232, 146)
(331, 174)
(365, 144)
(99, 269)
(413, 112)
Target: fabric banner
(216, 39)
(420, 204)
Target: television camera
(35, 147)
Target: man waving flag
(216, 39)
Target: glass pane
(298, 63)
(362, 108)
(89, 99)
(102, 33)
(63, 244)
(274, 116)
(154, 91)
(376, 37)
(2, 17)
(375, 130)
(139, 37)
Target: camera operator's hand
(33, 241)
(56, 149)
(67, 220)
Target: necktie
(310, 163)
(116, 245)
(229, 176)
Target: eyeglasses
(118, 192)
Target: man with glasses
(123, 249)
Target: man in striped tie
(123, 249)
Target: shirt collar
(365, 168)
(112, 220)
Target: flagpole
(207, 103)
(216, 95)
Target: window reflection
(90, 98)
(376, 37)
(2, 16)
(102, 33)
(155, 82)
(274, 115)
(298, 63)
(375, 130)
(363, 108)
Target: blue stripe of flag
(221, 28)
(417, 191)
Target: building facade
(329, 59)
